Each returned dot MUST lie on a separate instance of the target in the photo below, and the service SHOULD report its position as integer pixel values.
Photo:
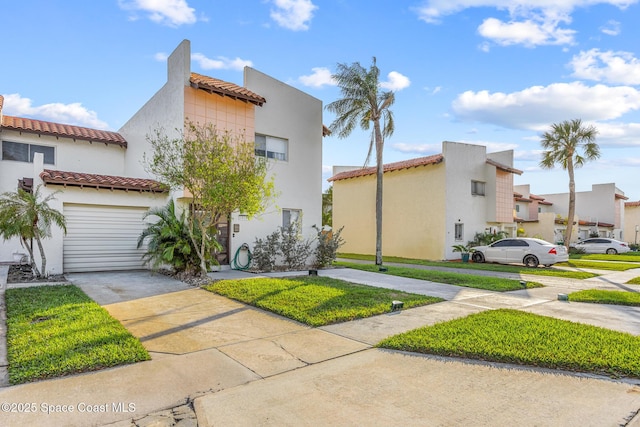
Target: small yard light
(523, 283)
(313, 272)
(563, 297)
(396, 305)
(383, 269)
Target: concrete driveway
(244, 366)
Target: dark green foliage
(169, 242)
(327, 248)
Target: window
(20, 152)
(517, 208)
(291, 216)
(539, 209)
(272, 147)
(459, 232)
(477, 188)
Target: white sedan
(528, 251)
(601, 245)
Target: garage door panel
(101, 238)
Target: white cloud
(220, 63)
(395, 81)
(293, 14)
(73, 114)
(612, 28)
(611, 67)
(528, 32)
(421, 149)
(172, 13)
(535, 108)
(531, 22)
(161, 56)
(428, 149)
(321, 77)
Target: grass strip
(54, 331)
(512, 336)
(316, 301)
(626, 257)
(599, 265)
(477, 266)
(458, 279)
(634, 281)
(599, 296)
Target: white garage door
(102, 238)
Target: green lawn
(626, 257)
(316, 301)
(58, 330)
(458, 279)
(634, 281)
(475, 266)
(599, 296)
(599, 265)
(517, 337)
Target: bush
(487, 238)
(293, 248)
(265, 252)
(327, 248)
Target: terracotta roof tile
(61, 130)
(632, 204)
(223, 88)
(504, 167)
(390, 167)
(110, 182)
(621, 196)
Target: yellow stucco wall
(413, 213)
(631, 220)
(225, 113)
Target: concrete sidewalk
(242, 366)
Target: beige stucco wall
(411, 230)
(504, 196)
(226, 114)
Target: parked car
(528, 251)
(601, 245)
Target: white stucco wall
(70, 155)
(297, 117)
(464, 163)
(165, 110)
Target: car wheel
(477, 257)
(531, 261)
(611, 251)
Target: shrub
(294, 250)
(327, 248)
(265, 252)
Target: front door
(223, 238)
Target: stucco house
(598, 212)
(105, 190)
(429, 203)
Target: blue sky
(489, 72)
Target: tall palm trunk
(572, 203)
(379, 179)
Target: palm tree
(569, 144)
(24, 215)
(169, 241)
(363, 103)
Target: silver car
(523, 250)
(601, 245)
